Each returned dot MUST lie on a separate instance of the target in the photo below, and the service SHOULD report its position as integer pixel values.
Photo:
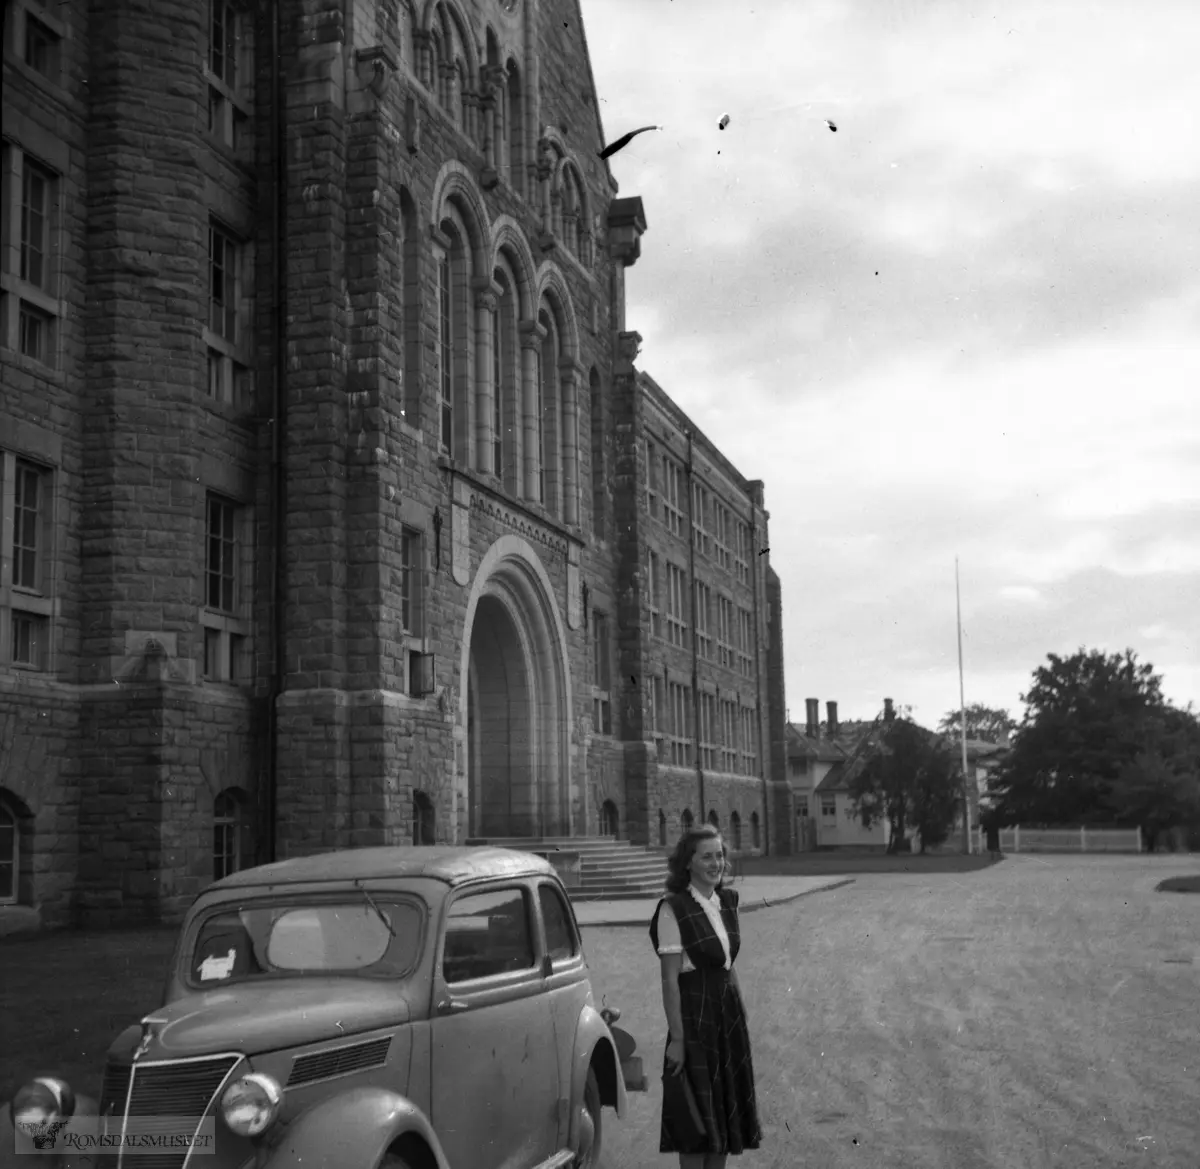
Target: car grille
(339, 1061)
(182, 1088)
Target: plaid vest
(696, 932)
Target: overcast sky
(964, 324)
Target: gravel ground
(1041, 1012)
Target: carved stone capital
(532, 335)
(487, 293)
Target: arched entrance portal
(516, 700)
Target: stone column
(532, 335)
(569, 374)
(487, 294)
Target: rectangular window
(41, 48)
(671, 487)
(33, 332)
(700, 518)
(657, 707)
(704, 641)
(601, 675)
(222, 44)
(653, 587)
(679, 717)
(222, 283)
(29, 634)
(221, 569)
(745, 643)
(410, 576)
(742, 553)
(749, 751)
(445, 354)
(707, 726)
(729, 736)
(26, 572)
(36, 186)
(651, 479)
(29, 520)
(725, 631)
(721, 550)
(829, 807)
(676, 596)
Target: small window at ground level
(560, 934)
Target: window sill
(53, 87)
(24, 602)
(31, 294)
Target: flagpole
(962, 714)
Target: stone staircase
(609, 869)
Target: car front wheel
(588, 1154)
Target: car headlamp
(42, 1101)
(251, 1104)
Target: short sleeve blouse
(669, 939)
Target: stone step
(608, 867)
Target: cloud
(964, 325)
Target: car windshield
(356, 935)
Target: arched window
(409, 339)
(599, 494)
(735, 830)
(714, 819)
(445, 351)
(754, 840)
(662, 827)
(231, 843)
(514, 116)
(10, 853)
(686, 820)
(550, 414)
(609, 819)
(423, 831)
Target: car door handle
(452, 1006)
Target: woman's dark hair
(680, 860)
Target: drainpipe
(753, 550)
(278, 491)
(695, 636)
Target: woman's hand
(675, 1056)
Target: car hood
(264, 1017)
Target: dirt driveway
(1042, 1012)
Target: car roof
(441, 863)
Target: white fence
(1020, 839)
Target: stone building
(334, 509)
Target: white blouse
(671, 942)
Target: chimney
(814, 717)
(831, 707)
(888, 712)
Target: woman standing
(695, 932)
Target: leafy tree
(905, 775)
(1087, 718)
(983, 722)
(1159, 788)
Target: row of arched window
(509, 390)
(485, 100)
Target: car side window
(561, 941)
(487, 933)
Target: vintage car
(399, 1008)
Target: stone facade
(323, 456)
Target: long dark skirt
(716, 1046)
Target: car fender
(594, 1043)
(352, 1128)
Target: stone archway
(514, 774)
